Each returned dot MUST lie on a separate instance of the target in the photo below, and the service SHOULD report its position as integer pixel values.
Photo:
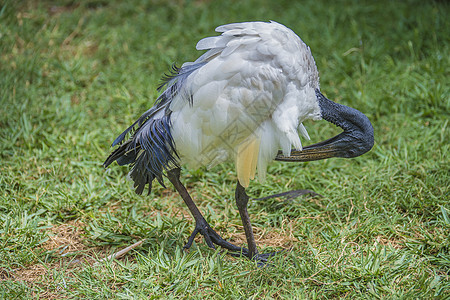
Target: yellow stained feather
(246, 159)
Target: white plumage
(248, 100)
(243, 100)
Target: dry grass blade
(120, 253)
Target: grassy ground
(74, 75)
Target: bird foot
(213, 238)
(262, 258)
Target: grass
(75, 74)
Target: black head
(357, 138)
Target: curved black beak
(356, 139)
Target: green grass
(73, 76)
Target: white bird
(242, 101)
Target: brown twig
(120, 253)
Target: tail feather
(150, 151)
(121, 155)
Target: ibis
(244, 101)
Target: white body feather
(248, 100)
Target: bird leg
(241, 202)
(201, 226)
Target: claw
(191, 238)
(203, 229)
(262, 258)
(212, 237)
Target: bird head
(357, 138)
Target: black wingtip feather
(116, 154)
(151, 149)
(174, 71)
(150, 152)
